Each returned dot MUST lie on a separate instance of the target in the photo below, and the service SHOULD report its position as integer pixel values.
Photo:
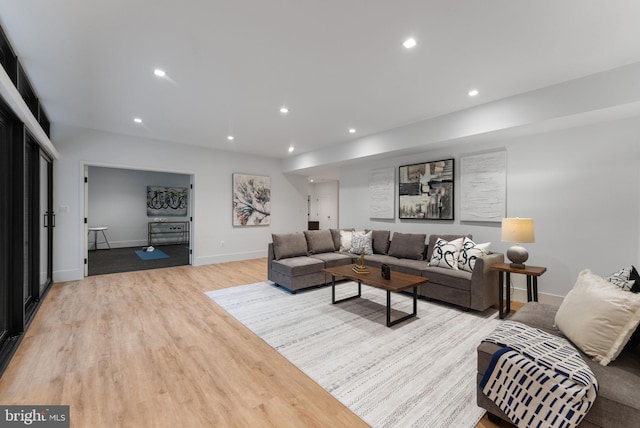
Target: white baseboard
(68, 275)
(121, 244)
(520, 295)
(78, 274)
(229, 257)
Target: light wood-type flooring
(149, 349)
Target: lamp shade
(517, 230)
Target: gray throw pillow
(289, 245)
(380, 241)
(407, 245)
(319, 241)
(335, 234)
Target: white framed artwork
(382, 193)
(483, 185)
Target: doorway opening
(136, 220)
(323, 204)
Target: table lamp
(517, 230)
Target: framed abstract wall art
(426, 190)
(166, 201)
(251, 200)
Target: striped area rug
(419, 373)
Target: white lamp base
(518, 255)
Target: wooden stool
(95, 231)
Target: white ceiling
(335, 64)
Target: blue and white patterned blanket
(538, 379)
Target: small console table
(532, 273)
(168, 232)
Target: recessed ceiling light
(230, 137)
(284, 110)
(311, 180)
(352, 130)
(159, 73)
(291, 149)
(137, 120)
(409, 43)
(473, 92)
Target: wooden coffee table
(398, 282)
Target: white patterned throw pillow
(445, 254)
(626, 278)
(345, 239)
(360, 240)
(470, 252)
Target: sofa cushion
(376, 260)
(411, 267)
(598, 317)
(380, 241)
(618, 401)
(319, 241)
(334, 259)
(459, 279)
(360, 241)
(445, 254)
(470, 252)
(407, 245)
(538, 315)
(289, 245)
(296, 266)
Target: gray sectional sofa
(618, 400)
(297, 260)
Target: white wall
(117, 199)
(580, 185)
(211, 202)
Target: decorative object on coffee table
(360, 267)
(385, 271)
(517, 230)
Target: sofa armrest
(271, 255)
(484, 282)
